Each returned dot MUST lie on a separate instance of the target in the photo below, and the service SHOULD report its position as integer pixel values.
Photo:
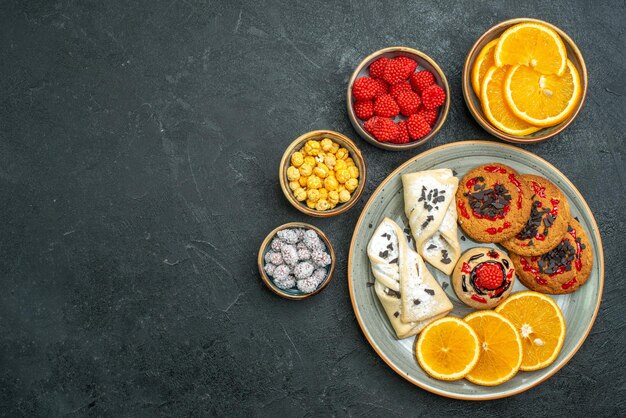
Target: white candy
(303, 270)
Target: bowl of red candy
(398, 98)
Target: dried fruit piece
(395, 89)
(365, 88)
(430, 116)
(383, 129)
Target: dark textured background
(139, 146)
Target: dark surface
(139, 146)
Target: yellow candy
(340, 165)
(293, 173)
(351, 185)
(333, 197)
(331, 183)
(354, 172)
(310, 204)
(330, 160)
(341, 188)
(297, 159)
(322, 204)
(344, 196)
(334, 148)
(310, 160)
(342, 154)
(332, 205)
(342, 176)
(302, 180)
(293, 185)
(314, 182)
(321, 171)
(306, 169)
(313, 195)
(323, 193)
(300, 194)
(326, 144)
(312, 147)
(349, 161)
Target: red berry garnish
(377, 68)
(364, 109)
(417, 127)
(421, 80)
(408, 102)
(397, 70)
(429, 116)
(398, 87)
(433, 97)
(489, 276)
(365, 88)
(403, 134)
(386, 106)
(383, 129)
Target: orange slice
(447, 349)
(542, 100)
(540, 324)
(534, 45)
(495, 107)
(500, 348)
(483, 62)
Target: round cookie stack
(530, 217)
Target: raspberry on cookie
(483, 277)
(563, 269)
(493, 203)
(549, 217)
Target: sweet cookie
(549, 217)
(563, 269)
(483, 277)
(493, 203)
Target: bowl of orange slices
(524, 80)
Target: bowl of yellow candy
(322, 173)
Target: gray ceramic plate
(579, 308)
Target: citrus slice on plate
(542, 100)
(495, 108)
(483, 62)
(534, 45)
(500, 348)
(447, 349)
(540, 324)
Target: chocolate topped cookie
(561, 270)
(549, 217)
(483, 277)
(493, 203)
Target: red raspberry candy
(381, 87)
(429, 116)
(408, 63)
(421, 80)
(385, 106)
(403, 134)
(409, 102)
(365, 88)
(417, 127)
(377, 68)
(433, 97)
(383, 129)
(397, 70)
(398, 87)
(364, 109)
(489, 276)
